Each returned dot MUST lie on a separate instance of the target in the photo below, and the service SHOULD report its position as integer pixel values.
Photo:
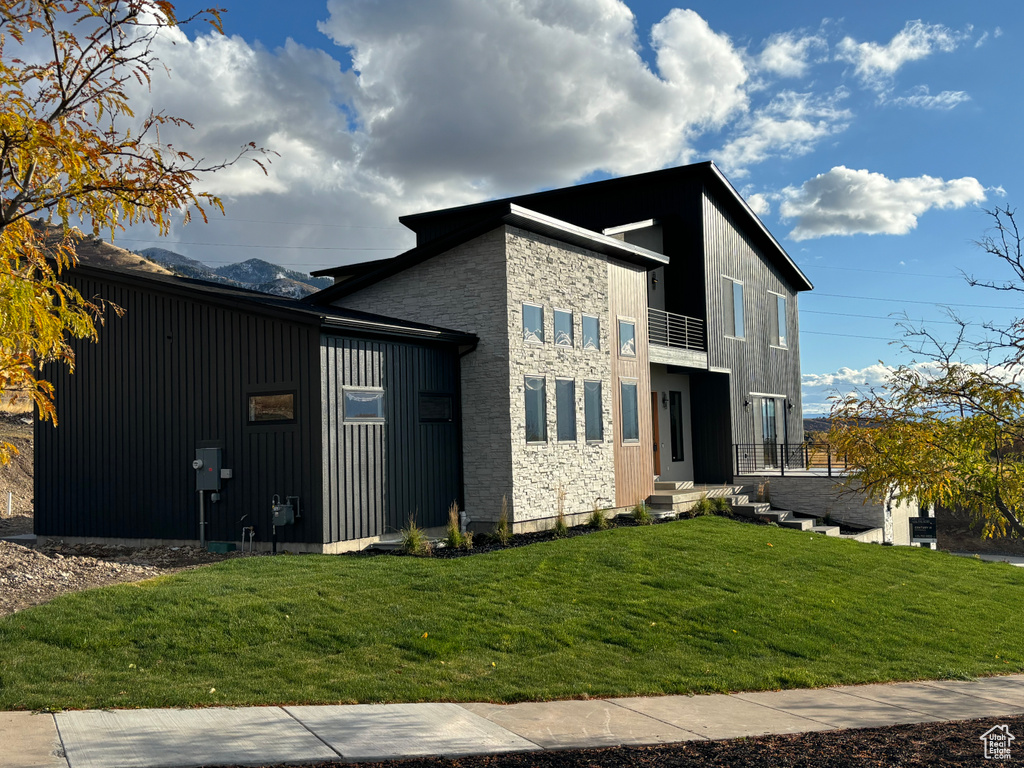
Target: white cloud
(846, 202)
(789, 126)
(920, 96)
(875, 64)
(758, 203)
(787, 54)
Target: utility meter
(207, 466)
(281, 514)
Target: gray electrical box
(208, 466)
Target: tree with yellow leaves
(72, 150)
(947, 431)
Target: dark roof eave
(369, 326)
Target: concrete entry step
(752, 509)
(826, 530)
(673, 485)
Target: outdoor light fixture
(789, 406)
(746, 404)
(654, 280)
(664, 399)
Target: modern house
(637, 328)
(557, 350)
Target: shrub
(702, 507)
(642, 514)
(720, 506)
(502, 528)
(598, 519)
(455, 538)
(763, 491)
(415, 541)
(560, 528)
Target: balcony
(676, 339)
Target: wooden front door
(654, 433)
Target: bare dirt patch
(957, 534)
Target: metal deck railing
(772, 458)
(668, 329)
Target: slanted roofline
(505, 213)
(432, 224)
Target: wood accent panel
(627, 298)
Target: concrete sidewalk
(176, 738)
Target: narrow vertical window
(565, 410)
(533, 324)
(781, 306)
(592, 413)
(536, 410)
(733, 307)
(630, 412)
(591, 332)
(563, 328)
(675, 414)
(627, 338)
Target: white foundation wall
(554, 275)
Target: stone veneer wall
(465, 290)
(556, 275)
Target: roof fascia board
(623, 228)
(585, 238)
(727, 185)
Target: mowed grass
(693, 606)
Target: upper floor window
(627, 338)
(779, 325)
(733, 295)
(536, 409)
(591, 332)
(533, 323)
(563, 328)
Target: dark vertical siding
(754, 365)
(172, 373)
(378, 475)
(711, 428)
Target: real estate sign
(923, 530)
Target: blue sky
(870, 137)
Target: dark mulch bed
(929, 744)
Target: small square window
(563, 328)
(364, 404)
(627, 338)
(272, 408)
(591, 332)
(533, 324)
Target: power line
(245, 245)
(876, 317)
(884, 272)
(848, 335)
(911, 301)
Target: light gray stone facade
(480, 287)
(557, 276)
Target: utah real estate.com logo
(997, 742)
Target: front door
(769, 432)
(654, 433)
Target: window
(563, 328)
(733, 295)
(593, 416)
(565, 410)
(627, 338)
(630, 412)
(272, 408)
(591, 332)
(533, 324)
(675, 415)
(536, 410)
(780, 329)
(435, 408)
(364, 404)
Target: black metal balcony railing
(774, 458)
(668, 329)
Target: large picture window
(733, 295)
(533, 324)
(591, 332)
(536, 410)
(593, 415)
(630, 412)
(563, 328)
(363, 404)
(565, 410)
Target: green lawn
(691, 606)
